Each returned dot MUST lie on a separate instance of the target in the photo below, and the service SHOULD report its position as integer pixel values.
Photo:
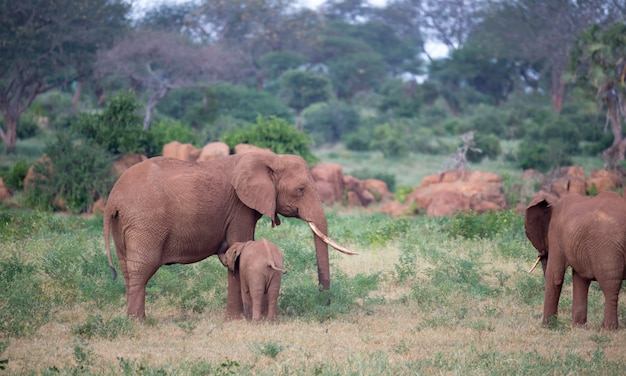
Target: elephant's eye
(301, 191)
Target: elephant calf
(260, 267)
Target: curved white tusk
(535, 265)
(328, 241)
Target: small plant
(472, 225)
(269, 349)
(14, 178)
(96, 326)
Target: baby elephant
(260, 266)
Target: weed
(269, 349)
(97, 327)
(472, 225)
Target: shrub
(330, 122)
(164, 131)
(246, 104)
(489, 146)
(14, 178)
(473, 225)
(118, 129)
(77, 173)
(359, 140)
(273, 133)
(389, 140)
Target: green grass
(424, 296)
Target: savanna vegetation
(524, 84)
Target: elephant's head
(536, 223)
(229, 258)
(287, 180)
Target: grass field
(425, 296)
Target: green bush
(14, 178)
(77, 173)
(389, 140)
(489, 146)
(118, 129)
(472, 225)
(273, 133)
(246, 104)
(330, 122)
(164, 131)
(359, 140)
(24, 306)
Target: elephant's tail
(271, 257)
(107, 241)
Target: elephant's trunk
(321, 253)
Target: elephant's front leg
(554, 284)
(234, 303)
(580, 286)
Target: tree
(450, 22)
(541, 33)
(46, 45)
(162, 61)
(598, 61)
(255, 28)
(301, 89)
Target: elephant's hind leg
(611, 294)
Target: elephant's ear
(254, 184)
(232, 254)
(537, 221)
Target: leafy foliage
(14, 178)
(118, 129)
(330, 122)
(489, 146)
(76, 173)
(246, 104)
(273, 133)
(300, 88)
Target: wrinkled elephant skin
(164, 211)
(588, 234)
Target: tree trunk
(76, 97)
(558, 91)
(152, 102)
(9, 136)
(614, 154)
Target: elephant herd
(164, 211)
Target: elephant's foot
(612, 325)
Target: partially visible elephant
(260, 267)
(164, 211)
(588, 234)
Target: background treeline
(547, 78)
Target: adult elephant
(165, 211)
(588, 234)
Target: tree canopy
(45, 45)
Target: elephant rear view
(260, 267)
(588, 234)
(164, 211)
